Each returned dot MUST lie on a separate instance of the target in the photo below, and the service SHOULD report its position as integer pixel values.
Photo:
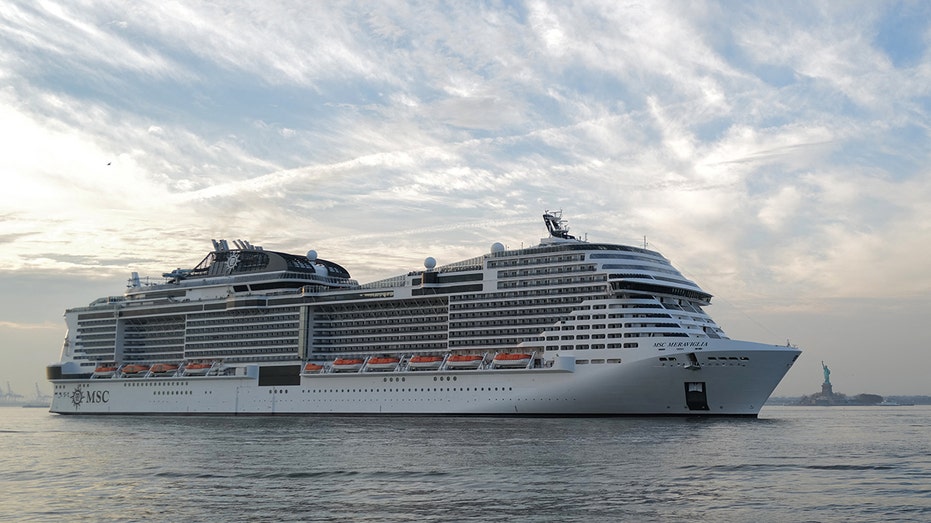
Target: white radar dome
(497, 247)
(312, 255)
(429, 263)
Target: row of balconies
(537, 260)
(543, 271)
(245, 328)
(196, 322)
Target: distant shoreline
(892, 400)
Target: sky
(777, 153)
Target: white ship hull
(563, 328)
(736, 382)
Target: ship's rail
(197, 368)
(405, 363)
(471, 264)
(394, 281)
(240, 279)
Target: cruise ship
(565, 328)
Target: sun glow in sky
(777, 154)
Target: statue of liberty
(827, 373)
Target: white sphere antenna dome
(312, 255)
(497, 247)
(429, 263)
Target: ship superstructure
(547, 323)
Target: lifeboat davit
(347, 364)
(425, 362)
(164, 368)
(388, 363)
(198, 368)
(464, 361)
(135, 370)
(312, 368)
(104, 371)
(515, 359)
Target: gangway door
(695, 395)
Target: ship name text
(680, 344)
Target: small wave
(850, 467)
(304, 474)
(201, 475)
(377, 474)
(777, 466)
(739, 467)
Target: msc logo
(80, 396)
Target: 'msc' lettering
(97, 396)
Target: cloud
(12, 237)
(29, 326)
(59, 32)
(778, 209)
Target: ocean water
(791, 464)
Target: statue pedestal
(827, 389)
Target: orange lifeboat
(198, 368)
(515, 359)
(164, 368)
(347, 364)
(387, 363)
(464, 361)
(425, 362)
(104, 371)
(312, 368)
(135, 370)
